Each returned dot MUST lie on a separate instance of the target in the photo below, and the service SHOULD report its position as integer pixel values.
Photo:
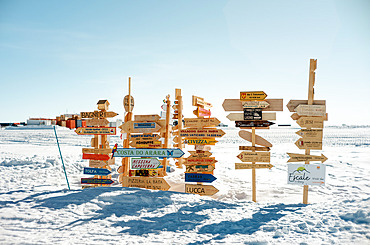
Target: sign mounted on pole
(252, 114)
(97, 122)
(252, 95)
(96, 181)
(98, 114)
(237, 105)
(240, 116)
(203, 190)
(252, 165)
(143, 152)
(199, 168)
(97, 171)
(195, 177)
(152, 183)
(311, 110)
(310, 134)
(247, 156)
(311, 122)
(255, 104)
(311, 145)
(306, 158)
(201, 133)
(205, 141)
(200, 112)
(96, 131)
(255, 124)
(145, 163)
(201, 122)
(140, 127)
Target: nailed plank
(147, 118)
(236, 105)
(201, 122)
(249, 156)
(203, 190)
(306, 158)
(292, 104)
(153, 183)
(240, 116)
(252, 165)
(253, 148)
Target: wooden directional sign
(126, 103)
(255, 124)
(240, 116)
(140, 127)
(96, 151)
(200, 112)
(97, 164)
(311, 122)
(95, 157)
(201, 122)
(306, 158)
(252, 165)
(255, 104)
(97, 171)
(249, 156)
(96, 181)
(96, 131)
(236, 105)
(144, 163)
(144, 152)
(294, 103)
(200, 153)
(310, 134)
(144, 172)
(202, 148)
(196, 177)
(198, 101)
(146, 182)
(312, 145)
(205, 141)
(259, 140)
(144, 137)
(199, 168)
(98, 114)
(311, 110)
(97, 122)
(200, 160)
(138, 143)
(147, 118)
(252, 95)
(295, 116)
(252, 114)
(253, 148)
(203, 190)
(201, 133)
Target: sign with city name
(147, 118)
(255, 104)
(140, 127)
(311, 110)
(196, 177)
(253, 124)
(98, 114)
(96, 122)
(134, 137)
(97, 171)
(200, 153)
(252, 114)
(201, 133)
(96, 181)
(96, 131)
(152, 183)
(138, 143)
(199, 168)
(200, 141)
(143, 152)
(237, 105)
(306, 158)
(311, 122)
(253, 148)
(240, 116)
(203, 190)
(312, 145)
(201, 122)
(200, 160)
(292, 104)
(145, 163)
(252, 165)
(249, 156)
(259, 140)
(306, 174)
(252, 95)
(310, 134)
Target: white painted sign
(306, 174)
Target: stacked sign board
(253, 105)
(200, 132)
(100, 155)
(310, 115)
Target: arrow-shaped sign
(138, 143)
(259, 140)
(201, 133)
(240, 116)
(311, 110)
(198, 101)
(294, 103)
(311, 122)
(140, 127)
(249, 156)
(200, 153)
(96, 181)
(310, 134)
(201, 122)
(295, 116)
(144, 152)
(200, 160)
(147, 118)
(313, 145)
(203, 190)
(200, 112)
(134, 137)
(255, 104)
(145, 163)
(146, 182)
(97, 122)
(252, 165)
(96, 131)
(255, 124)
(98, 114)
(95, 157)
(195, 177)
(97, 171)
(252, 95)
(96, 151)
(253, 148)
(306, 158)
(236, 105)
(200, 141)
(199, 168)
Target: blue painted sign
(96, 181)
(143, 152)
(97, 171)
(145, 125)
(190, 177)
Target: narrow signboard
(201, 133)
(306, 158)
(252, 114)
(147, 118)
(311, 122)
(237, 105)
(96, 181)
(252, 95)
(201, 122)
(255, 124)
(249, 156)
(311, 110)
(253, 148)
(200, 160)
(152, 183)
(199, 168)
(98, 114)
(143, 152)
(200, 153)
(144, 163)
(96, 122)
(292, 104)
(96, 151)
(312, 145)
(97, 171)
(96, 131)
(253, 165)
(101, 157)
(203, 190)
(310, 134)
(240, 116)
(195, 177)
(200, 141)
(255, 104)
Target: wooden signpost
(310, 115)
(177, 117)
(201, 133)
(253, 105)
(100, 156)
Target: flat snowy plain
(37, 208)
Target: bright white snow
(37, 208)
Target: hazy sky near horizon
(61, 57)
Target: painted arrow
(249, 156)
(95, 156)
(313, 145)
(236, 105)
(200, 141)
(191, 177)
(311, 110)
(199, 168)
(240, 116)
(203, 190)
(255, 104)
(252, 95)
(96, 131)
(97, 171)
(201, 133)
(201, 122)
(292, 104)
(96, 181)
(306, 158)
(98, 114)
(97, 122)
(144, 152)
(310, 134)
(140, 127)
(145, 163)
(252, 165)
(311, 122)
(255, 124)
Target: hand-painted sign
(98, 114)
(96, 151)
(249, 156)
(95, 156)
(240, 116)
(311, 122)
(140, 127)
(97, 171)
(146, 182)
(295, 116)
(199, 168)
(236, 105)
(310, 134)
(94, 131)
(200, 153)
(96, 181)
(200, 160)
(198, 101)
(201, 133)
(259, 140)
(253, 148)
(97, 122)
(126, 103)
(255, 104)
(202, 148)
(311, 110)
(146, 143)
(255, 124)
(144, 163)
(144, 137)
(313, 145)
(194, 177)
(203, 190)
(143, 152)
(306, 158)
(252, 114)
(252, 165)
(294, 103)
(200, 112)
(205, 141)
(252, 95)
(144, 172)
(306, 174)
(147, 118)
(201, 122)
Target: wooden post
(254, 191)
(178, 97)
(126, 142)
(167, 133)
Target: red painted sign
(101, 157)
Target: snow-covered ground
(37, 208)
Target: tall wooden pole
(126, 142)
(254, 191)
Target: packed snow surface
(36, 206)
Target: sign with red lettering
(144, 163)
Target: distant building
(39, 121)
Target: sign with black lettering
(252, 114)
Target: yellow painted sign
(200, 141)
(252, 95)
(98, 114)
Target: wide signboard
(306, 174)
(143, 152)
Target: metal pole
(61, 157)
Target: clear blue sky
(63, 56)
